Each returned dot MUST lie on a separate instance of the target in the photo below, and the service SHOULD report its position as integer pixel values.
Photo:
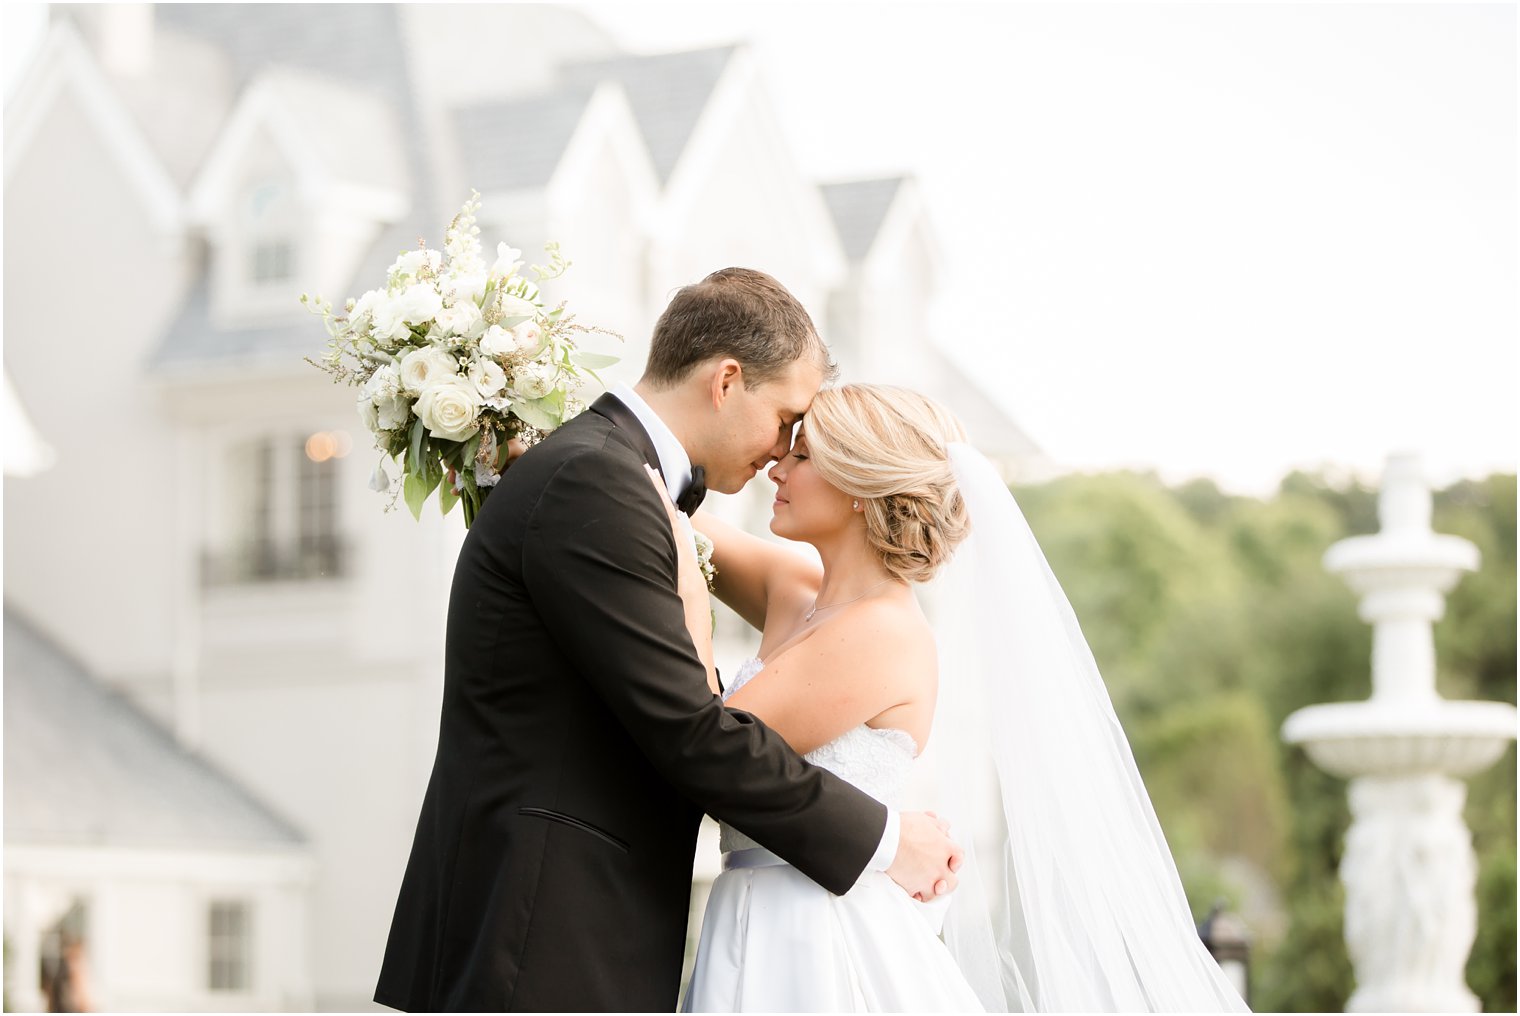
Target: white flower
(448, 409)
(368, 415)
(379, 480)
(508, 261)
(386, 380)
(467, 287)
(488, 377)
(427, 366)
(528, 336)
(418, 303)
(516, 307)
(485, 476)
(411, 262)
(387, 324)
(534, 380)
(393, 411)
(365, 305)
(498, 341)
(462, 319)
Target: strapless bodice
(874, 760)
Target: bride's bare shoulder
(890, 639)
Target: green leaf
(515, 320)
(414, 459)
(593, 361)
(447, 499)
(415, 490)
(534, 414)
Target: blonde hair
(887, 446)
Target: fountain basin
(1407, 738)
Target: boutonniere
(704, 559)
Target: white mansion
(223, 658)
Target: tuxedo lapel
(613, 408)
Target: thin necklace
(816, 608)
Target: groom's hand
(927, 858)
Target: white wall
(148, 919)
(89, 289)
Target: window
(268, 229)
(229, 946)
(271, 261)
(280, 511)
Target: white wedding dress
(773, 940)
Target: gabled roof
(84, 766)
(858, 208)
(343, 143)
(667, 91)
(515, 144)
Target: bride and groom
(584, 729)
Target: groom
(579, 743)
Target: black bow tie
(691, 499)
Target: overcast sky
(1207, 239)
(1217, 239)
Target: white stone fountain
(1408, 866)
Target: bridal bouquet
(454, 359)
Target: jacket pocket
(574, 823)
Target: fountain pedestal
(1408, 867)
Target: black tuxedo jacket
(579, 747)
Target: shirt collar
(674, 464)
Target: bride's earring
(855, 504)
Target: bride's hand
(691, 586)
(689, 571)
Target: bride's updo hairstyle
(886, 446)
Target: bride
(1076, 903)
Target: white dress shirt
(675, 466)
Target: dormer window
(271, 261)
(269, 222)
(258, 250)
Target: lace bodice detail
(876, 761)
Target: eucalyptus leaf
(447, 499)
(515, 320)
(415, 490)
(534, 414)
(593, 361)
(419, 434)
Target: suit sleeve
(599, 562)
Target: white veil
(1069, 899)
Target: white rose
(411, 262)
(488, 377)
(448, 409)
(534, 380)
(461, 319)
(498, 341)
(427, 366)
(507, 261)
(528, 336)
(517, 307)
(418, 303)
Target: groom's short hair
(735, 312)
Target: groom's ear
(725, 378)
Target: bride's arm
(692, 587)
(753, 573)
(848, 673)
